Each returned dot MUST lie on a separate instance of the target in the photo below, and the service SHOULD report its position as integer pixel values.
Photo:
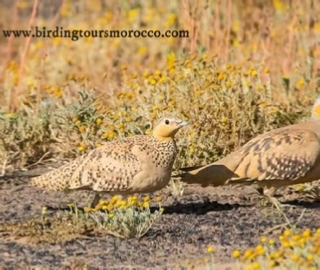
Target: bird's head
(167, 127)
(315, 115)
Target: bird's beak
(182, 124)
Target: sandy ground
(227, 218)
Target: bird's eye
(167, 122)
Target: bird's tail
(58, 179)
(215, 174)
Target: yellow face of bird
(167, 127)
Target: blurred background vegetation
(248, 66)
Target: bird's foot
(279, 207)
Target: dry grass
(235, 78)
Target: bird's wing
(283, 154)
(111, 167)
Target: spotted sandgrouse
(281, 157)
(136, 164)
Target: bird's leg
(95, 200)
(269, 195)
(264, 198)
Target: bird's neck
(162, 138)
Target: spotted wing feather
(280, 155)
(108, 168)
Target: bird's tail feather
(215, 174)
(58, 179)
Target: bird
(281, 157)
(135, 164)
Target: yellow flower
(300, 83)
(114, 199)
(109, 134)
(102, 202)
(82, 128)
(310, 257)
(221, 76)
(87, 209)
(295, 257)
(260, 250)
(111, 215)
(110, 207)
(121, 204)
(253, 73)
(264, 239)
(272, 264)
(145, 74)
(299, 187)
(13, 66)
(266, 70)
(306, 233)
(44, 210)
(146, 199)
(287, 233)
(276, 255)
(301, 243)
(104, 207)
(279, 6)
(271, 242)
(172, 102)
(285, 244)
(133, 14)
(223, 120)
(159, 199)
(171, 20)
(249, 254)
(256, 266)
(82, 148)
(210, 249)
(236, 254)
(142, 50)
(145, 204)
(228, 84)
(98, 121)
(132, 199)
(152, 81)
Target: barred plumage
(135, 164)
(281, 157)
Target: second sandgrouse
(281, 157)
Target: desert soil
(228, 218)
